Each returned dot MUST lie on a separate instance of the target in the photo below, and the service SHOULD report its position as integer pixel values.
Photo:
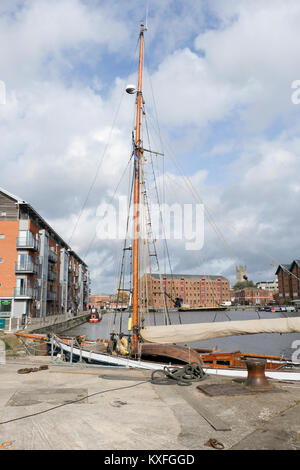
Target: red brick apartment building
(195, 290)
(253, 296)
(39, 273)
(289, 281)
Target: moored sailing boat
(153, 347)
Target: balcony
(52, 256)
(52, 275)
(27, 243)
(25, 292)
(27, 267)
(51, 295)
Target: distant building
(271, 285)
(39, 273)
(289, 281)
(99, 300)
(241, 273)
(253, 296)
(195, 290)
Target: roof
(13, 196)
(189, 277)
(284, 267)
(288, 267)
(21, 201)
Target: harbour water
(273, 344)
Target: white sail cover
(201, 331)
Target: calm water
(276, 344)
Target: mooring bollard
(256, 374)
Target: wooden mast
(137, 156)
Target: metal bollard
(256, 378)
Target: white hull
(289, 376)
(106, 359)
(118, 361)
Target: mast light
(131, 89)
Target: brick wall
(8, 252)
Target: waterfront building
(271, 285)
(289, 281)
(253, 296)
(195, 290)
(40, 274)
(99, 300)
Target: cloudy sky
(218, 90)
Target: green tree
(243, 284)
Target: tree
(122, 297)
(243, 284)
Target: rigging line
(124, 246)
(122, 264)
(191, 186)
(198, 199)
(167, 318)
(161, 217)
(157, 261)
(213, 224)
(146, 245)
(103, 155)
(170, 189)
(111, 199)
(149, 236)
(97, 172)
(205, 207)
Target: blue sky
(221, 74)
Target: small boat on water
(95, 317)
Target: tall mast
(138, 153)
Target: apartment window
(5, 307)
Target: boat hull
(75, 354)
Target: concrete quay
(126, 412)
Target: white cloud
(56, 126)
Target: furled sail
(201, 331)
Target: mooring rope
(185, 375)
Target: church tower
(241, 273)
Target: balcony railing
(28, 292)
(28, 243)
(26, 268)
(52, 275)
(51, 295)
(52, 256)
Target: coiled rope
(178, 375)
